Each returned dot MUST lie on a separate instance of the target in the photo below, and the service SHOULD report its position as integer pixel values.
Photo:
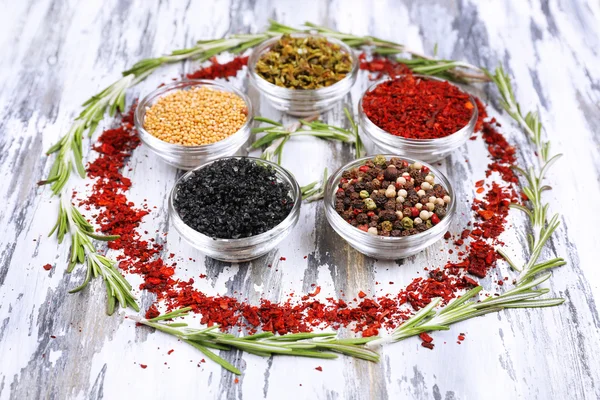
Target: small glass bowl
(243, 249)
(429, 150)
(386, 247)
(188, 157)
(298, 102)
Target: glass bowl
(298, 102)
(188, 157)
(386, 247)
(428, 150)
(243, 249)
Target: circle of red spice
(115, 214)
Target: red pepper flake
(362, 294)
(236, 381)
(319, 369)
(216, 70)
(425, 337)
(282, 258)
(417, 108)
(170, 352)
(480, 190)
(53, 337)
(382, 66)
(152, 312)
(144, 366)
(430, 346)
(48, 267)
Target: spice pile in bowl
(391, 197)
(310, 62)
(416, 107)
(195, 117)
(233, 198)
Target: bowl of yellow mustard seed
(188, 123)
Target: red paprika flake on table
(418, 108)
(216, 70)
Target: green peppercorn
(364, 194)
(380, 160)
(428, 224)
(304, 63)
(370, 204)
(407, 223)
(387, 226)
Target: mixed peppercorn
(304, 63)
(233, 198)
(391, 197)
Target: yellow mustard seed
(194, 117)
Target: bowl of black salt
(235, 209)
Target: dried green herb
(304, 63)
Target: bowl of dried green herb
(303, 74)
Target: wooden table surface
(55, 54)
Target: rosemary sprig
(428, 319)
(457, 71)
(265, 344)
(83, 250)
(276, 135)
(420, 63)
(112, 99)
(530, 122)
(315, 190)
(535, 209)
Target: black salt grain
(233, 198)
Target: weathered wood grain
(57, 53)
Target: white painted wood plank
(57, 54)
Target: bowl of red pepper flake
(388, 206)
(192, 114)
(303, 74)
(235, 209)
(424, 117)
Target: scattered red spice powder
(216, 70)
(48, 267)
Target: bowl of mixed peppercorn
(191, 122)
(303, 74)
(423, 117)
(235, 209)
(389, 207)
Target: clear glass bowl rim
(334, 179)
(324, 91)
(140, 113)
(295, 193)
(438, 141)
